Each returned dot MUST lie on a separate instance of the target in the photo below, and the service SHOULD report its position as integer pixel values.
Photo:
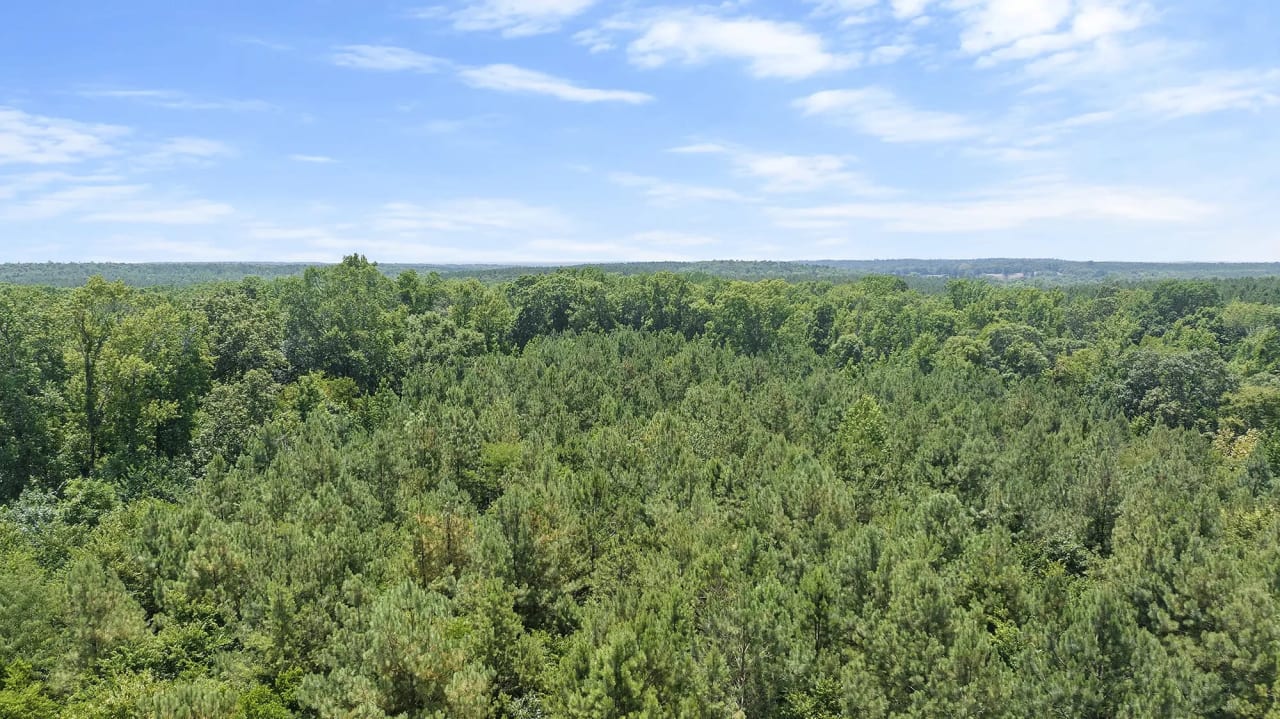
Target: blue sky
(581, 130)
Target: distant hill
(1039, 271)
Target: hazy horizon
(497, 263)
(583, 131)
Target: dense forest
(921, 274)
(586, 494)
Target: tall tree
(94, 313)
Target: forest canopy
(348, 492)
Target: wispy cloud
(1003, 30)
(27, 139)
(666, 193)
(386, 58)
(880, 113)
(771, 49)
(12, 186)
(175, 100)
(513, 18)
(509, 78)
(448, 126)
(192, 212)
(666, 238)
(909, 9)
(105, 198)
(499, 77)
(262, 42)
(843, 6)
(1244, 90)
(184, 150)
(783, 173)
(131, 248)
(1040, 34)
(470, 215)
(694, 37)
(1004, 209)
(313, 159)
(75, 196)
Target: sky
(519, 131)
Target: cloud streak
(27, 139)
(386, 58)
(878, 112)
(666, 193)
(514, 18)
(512, 79)
(1004, 209)
(1246, 90)
(784, 174)
(500, 77)
(174, 100)
(769, 48)
(196, 212)
(470, 215)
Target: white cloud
(909, 9)
(67, 200)
(1245, 90)
(855, 12)
(990, 24)
(804, 173)
(184, 150)
(193, 212)
(471, 215)
(662, 192)
(100, 198)
(700, 148)
(782, 173)
(1044, 33)
(770, 49)
(27, 139)
(268, 231)
(386, 58)
(844, 5)
(594, 39)
(313, 159)
(1005, 209)
(509, 78)
(500, 77)
(195, 147)
(448, 126)
(12, 186)
(130, 248)
(664, 238)
(879, 113)
(518, 18)
(1047, 32)
(889, 54)
(174, 100)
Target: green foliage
(341, 321)
(21, 697)
(581, 493)
(1182, 389)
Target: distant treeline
(924, 274)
